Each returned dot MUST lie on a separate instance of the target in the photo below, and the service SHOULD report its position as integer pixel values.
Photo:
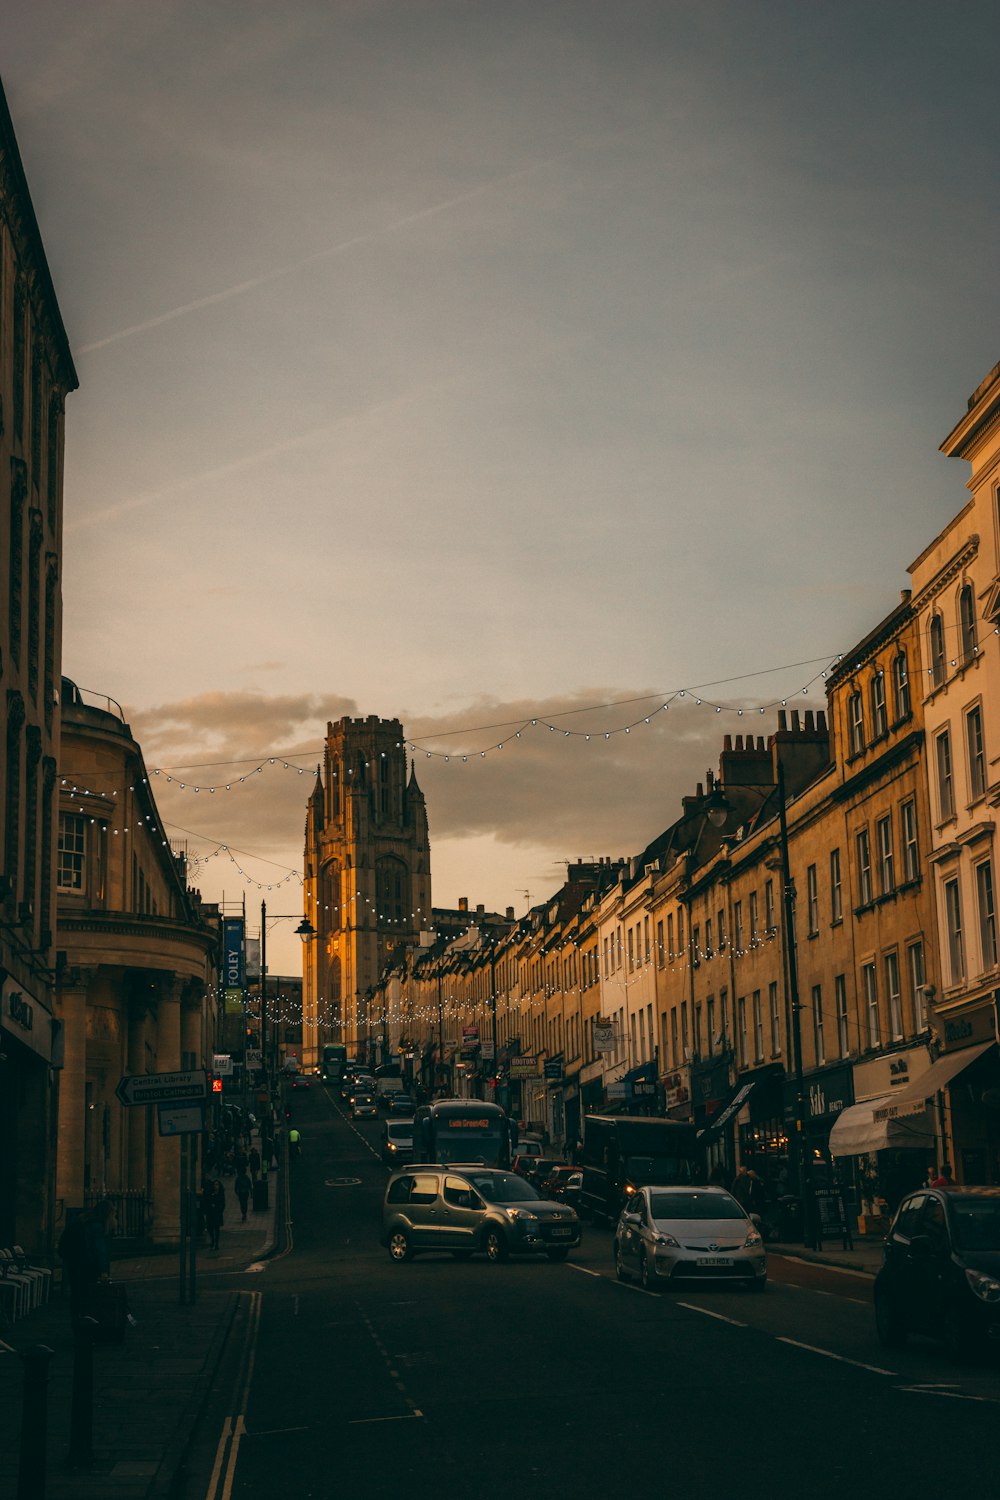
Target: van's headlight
(514, 1214)
(985, 1287)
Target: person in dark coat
(215, 1211)
(243, 1187)
(253, 1163)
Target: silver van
(397, 1142)
(467, 1208)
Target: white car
(670, 1235)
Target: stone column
(137, 1166)
(166, 1228)
(71, 1002)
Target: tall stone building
(367, 878)
(36, 374)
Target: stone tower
(367, 875)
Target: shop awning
(861, 1128)
(911, 1099)
(713, 1128)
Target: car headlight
(985, 1287)
(666, 1240)
(753, 1238)
(520, 1213)
(392, 1147)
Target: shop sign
(521, 1067)
(828, 1095)
(25, 1019)
(676, 1088)
(604, 1036)
(470, 1036)
(222, 1064)
(617, 1090)
(233, 973)
(487, 1051)
(884, 1075)
(975, 1026)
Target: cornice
(947, 573)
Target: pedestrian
(294, 1143)
(717, 1176)
(240, 1159)
(741, 1187)
(243, 1187)
(253, 1163)
(215, 1211)
(756, 1195)
(944, 1178)
(83, 1248)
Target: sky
(473, 361)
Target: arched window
(901, 686)
(937, 650)
(967, 621)
(391, 888)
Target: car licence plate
(561, 1233)
(715, 1260)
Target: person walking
(253, 1163)
(741, 1188)
(215, 1211)
(243, 1187)
(83, 1248)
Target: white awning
(910, 1099)
(858, 1130)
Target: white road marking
(693, 1307)
(220, 1485)
(841, 1358)
(585, 1272)
(405, 1417)
(817, 1264)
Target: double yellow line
(220, 1485)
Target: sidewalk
(149, 1391)
(864, 1260)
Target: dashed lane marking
(841, 1358)
(693, 1307)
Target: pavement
(864, 1259)
(149, 1391)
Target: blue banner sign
(233, 970)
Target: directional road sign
(163, 1088)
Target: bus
(625, 1152)
(466, 1130)
(333, 1062)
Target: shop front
(973, 1113)
(763, 1130)
(30, 1048)
(889, 1133)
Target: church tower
(367, 875)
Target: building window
(880, 718)
(660, 955)
(754, 922)
(901, 685)
(631, 952)
(721, 924)
(836, 888)
(71, 858)
(977, 753)
(818, 1036)
(772, 1000)
(696, 1032)
(724, 1017)
(987, 913)
(685, 1039)
(670, 936)
(645, 944)
(708, 937)
(937, 650)
(812, 900)
(758, 1029)
(893, 998)
(864, 868)
(953, 925)
(696, 944)
(967, 621)
(911, 849)
(674, 1044)
(869, 986)
(769, 922)
(915, 962)
(946, 784)
(856, 719)
(710, 1024)
(886, 857)
(680, 932)
(738, 925)
(741, 1020)
(840, 1006)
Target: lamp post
(305, 931)
(718, 812)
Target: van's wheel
(889, 1326)
(555, 1255)
(495, 1246)
(620, 1270)
(400, 1248)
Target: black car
(941, 1274)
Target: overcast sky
(466, 360)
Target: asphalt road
(350, 1375)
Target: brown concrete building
(136, 965)
(36, 374)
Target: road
(350, 1375)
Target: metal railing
(133, 1208)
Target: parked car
(540, 1168)
(397, 1142)
(563, 1185)
(941, 1274)
(402, 1105)
(468, 1209)
(667, 1235)
(363, 1107)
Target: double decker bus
(333, 1062)
(466, 1130)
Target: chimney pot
(810, 725)
(727, 742)
(795, 721)
(782, 720)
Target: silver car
(669, 1235)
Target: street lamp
(305, 931)
(718, 812)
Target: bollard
(81, 1424)
(34, 1423)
